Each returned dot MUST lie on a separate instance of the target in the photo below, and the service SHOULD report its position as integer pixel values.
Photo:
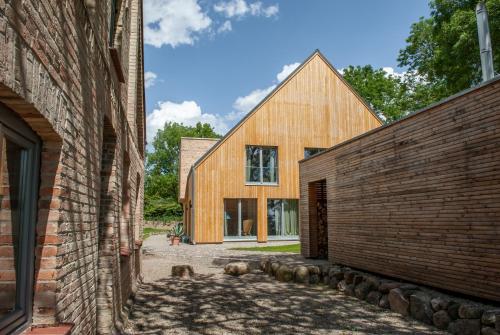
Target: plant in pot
(176, 233)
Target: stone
(398, 302)
(384, 302)
(182, 271)
(284, 273)
(349, 276)
(301, 274)
(465, 327)
(325, 270)
(409, 287)
(490, 317)
(489, 331)
(361, 290)
(237, 268)
(314, 279)
(349, 290)
(314, 270)
(263, 264)
(342, 285)
(373, 281)
(441, 319)
(385, 287)
(274, 268)
(420, 307)
(358, 279)
(439, 303)
(469, 311)
(374, 297)
(334, 282)
(453, 310)
(336, 273)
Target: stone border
(455, 315)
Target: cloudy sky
(213, 60)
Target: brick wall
(191, 150)
(56, 72)
(418, 199)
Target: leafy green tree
(444, 48)
(392, 97)
(162, 169)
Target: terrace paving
(214, 303)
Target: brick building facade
(71, 162)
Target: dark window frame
(318, 150)
(261, 166)
(17, 131)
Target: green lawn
(294, 248)
(153, 231)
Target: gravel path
(214, 303)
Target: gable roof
(275, 90)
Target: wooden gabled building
(246, 186)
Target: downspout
(483, 31)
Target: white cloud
(173, 22)
(226, 26)
(285, 72)
(149, 78)
(391, 72)
(240, 8)
(187, 112)
(246, 103)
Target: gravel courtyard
(214, 303)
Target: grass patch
(294, 248)
(153, 231)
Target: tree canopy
(162, 169)
(391, 96)
(444, 48)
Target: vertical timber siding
(312, 109)
(419, 199)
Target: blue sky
(212, 61)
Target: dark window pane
(308, 152)
(290, 217)
(9, 224)
(249, 217)
(231, 217)
(273, 217)
(252, 164)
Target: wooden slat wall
(313, 109)
(420, 199)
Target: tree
(392, 97)
(444, 48)
(162, 169)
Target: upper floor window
(308, 152)
(261, 165)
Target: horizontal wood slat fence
(419, 199)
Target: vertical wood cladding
(419, 199)
(314, 108)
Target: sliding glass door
(282, 218)
(240, 218)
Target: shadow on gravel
(256, 304)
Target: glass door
(240, 219)
(19, 161)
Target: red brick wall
(418, 199)
(57, 74)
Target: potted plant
(176, 233)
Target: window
(282, 218)
(19, 161)
(261, 165)
(240, 218)
(308, 152)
